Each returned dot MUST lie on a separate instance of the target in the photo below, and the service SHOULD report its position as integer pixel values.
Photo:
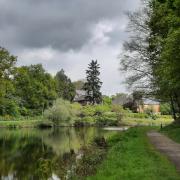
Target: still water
(39, 154)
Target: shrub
(117, 108)
(77, 108)
(106, 121)
(101, 109)
(88, 110)
(165, 109)
(9, 107)
(61, 112)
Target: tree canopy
(152, 53)
(35, 88)
(7, 66)
(93, 84)
(65, 88)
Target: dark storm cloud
(61, 24)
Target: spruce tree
(93, 84)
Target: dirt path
(166, 146)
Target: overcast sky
(68, 34)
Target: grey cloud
(61, 24)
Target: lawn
(21, 122)
(131, 156)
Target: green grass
(24, 123)
(161, 119)
(146, 122)
(132, 157)
(173, 131)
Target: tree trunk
(177, 100)
(173, 109)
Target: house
(122, 99)
(80, 97)
(150, 104)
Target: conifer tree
(93, 84)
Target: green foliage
(65, 88)
(60, 113)
(107, 100)
(89, 120)
(88, 110)
(137, 115)
(117, 108)
(79, 84)
(173, 131)
(165, 37)
(7, 65)
(165, 109)
(35, 89)
(93, 84)
(9, 107)
(101, 109)
(107, 121)
(152, 54)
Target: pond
(42, 154)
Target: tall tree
(135, 59)
(164, 44)
(93, 84)
(65, 88)
(7, 65)
(35, 88)
(152, 53)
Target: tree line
(29, 90)
(152, 53)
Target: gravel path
(167, 146)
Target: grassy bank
(109, 119)
(24, 122)
(131, 156)
(133, 119)
(173, 131)
(129, 119)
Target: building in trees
(149, 105)
(80, 97)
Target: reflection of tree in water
(25, 158)
(37, 156)
(30, 158)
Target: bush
(105, 121)
(117, 109)
(9, 107)
(77, 108)
(101, 109)
(61, 112)
(93, 110)
(85, 121)
(165, 109)
(88, 111)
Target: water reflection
(42, 154)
